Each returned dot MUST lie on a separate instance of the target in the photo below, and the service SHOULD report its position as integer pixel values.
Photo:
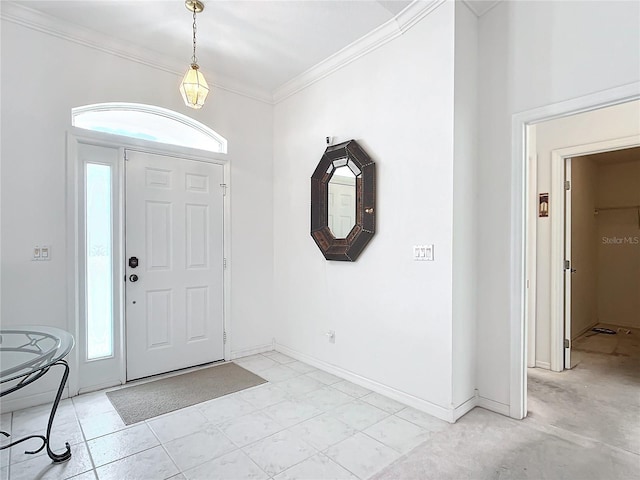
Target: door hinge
(224, 263)
(224, 337)
(566, 343)
(567, 264)
(567, 185)
(224, 189)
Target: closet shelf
(627, 207)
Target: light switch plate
(423, 253)
(41, 253)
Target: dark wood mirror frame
(344, 249)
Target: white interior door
(174, 296)
(568, 268)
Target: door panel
(158, 244)
(197, 233)
(174, 221)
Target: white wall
(392, 315)
(43, 77)
(464, 200)
(590, 127)
(584, 245)
(532, 54)
(618, 258)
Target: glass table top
(27, 349)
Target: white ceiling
(245, 45)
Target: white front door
(174, 296)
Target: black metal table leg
(58, 457)
(46, 440)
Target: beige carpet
(148, 400)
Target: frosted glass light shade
(194, 88)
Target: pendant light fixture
(194, 88)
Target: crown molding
(395, 27)
(44, 23)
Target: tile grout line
(322, 452)
(211, 459)
(84, 438)
(95, 468)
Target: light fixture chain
(193, 58)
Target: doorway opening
(524, 215)
(552, 145)
(588, 168)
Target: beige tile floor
(304, 423)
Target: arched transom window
(149, 123)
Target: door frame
(75, 284)
(561, 238)
(520, 264)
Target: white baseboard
(19, 403)
(251, 351)
(492, 405)
(465, 408)
(446, 414)
(575, 335)
(545, 365)
(102, 386)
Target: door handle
(133, 278)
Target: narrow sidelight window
(99, 270)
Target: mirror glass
(341, 205)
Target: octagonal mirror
(343, 201)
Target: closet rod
(629, 207)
